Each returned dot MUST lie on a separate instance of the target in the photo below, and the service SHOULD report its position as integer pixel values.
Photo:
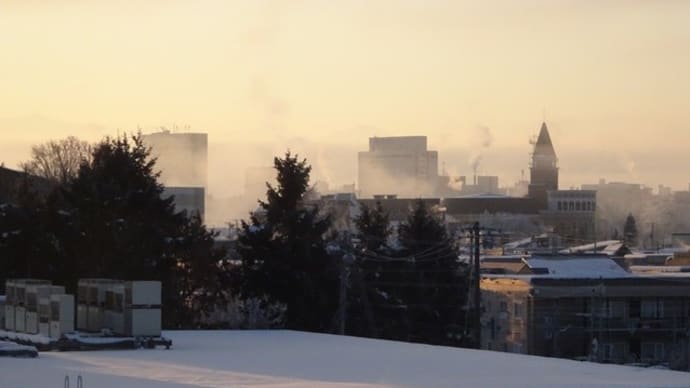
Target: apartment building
(588, 308)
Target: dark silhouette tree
(436, 281)
(283, 251)
(111, 221)
(58, 160)
(373, 227)
(366, 302)
(630, 230)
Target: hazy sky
(612, 79)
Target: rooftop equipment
(61, 315)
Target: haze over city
(321, 77)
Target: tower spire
(543, 146)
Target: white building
(398, 165)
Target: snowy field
(279, 359)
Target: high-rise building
(399, 165)
(182, 158)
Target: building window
(577, 206)
(560, 205)
(504, 307)
(634, 308)
(571, 206)
(652, 308)
(517, 310)
(615, 309)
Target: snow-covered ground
(280, 359)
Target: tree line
(107, 217)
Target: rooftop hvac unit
(61, 314)
(9, 316)
(9, 305)
(91, 307)
(44, 294)
(3, 300)
(82, 304)
(143, 308)
(114, 308)
(24, 302)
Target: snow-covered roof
(660, 269)
(282, 359)
(576, 267)
(525, 242)
(598, 246)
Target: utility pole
(477, 289)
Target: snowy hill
(279, 359)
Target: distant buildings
(398, 165)
(588, 308)
(182, 159)
(567, 213)
(403, 170)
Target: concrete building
(588, 308)
(182, 158)
(191, 200)
(398, 165)
(571, 215)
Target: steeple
(544, 168)
(543, 146)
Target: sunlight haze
(611, 79)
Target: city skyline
(321, 78)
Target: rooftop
(282, 359)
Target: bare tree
(58, 160)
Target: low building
(588, 308)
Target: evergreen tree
(125, 229)
(200, 277)
(283, 251)
(630, 230)
(373, 227)
(436, 282)
(111, 221)
(31, 235)
(366, 302)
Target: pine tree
(366, 301)
(437, 282)
(111, 221)
(283, 251)
(127, 230)
(373, 227)
(200, 276)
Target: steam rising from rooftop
(482, 141)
